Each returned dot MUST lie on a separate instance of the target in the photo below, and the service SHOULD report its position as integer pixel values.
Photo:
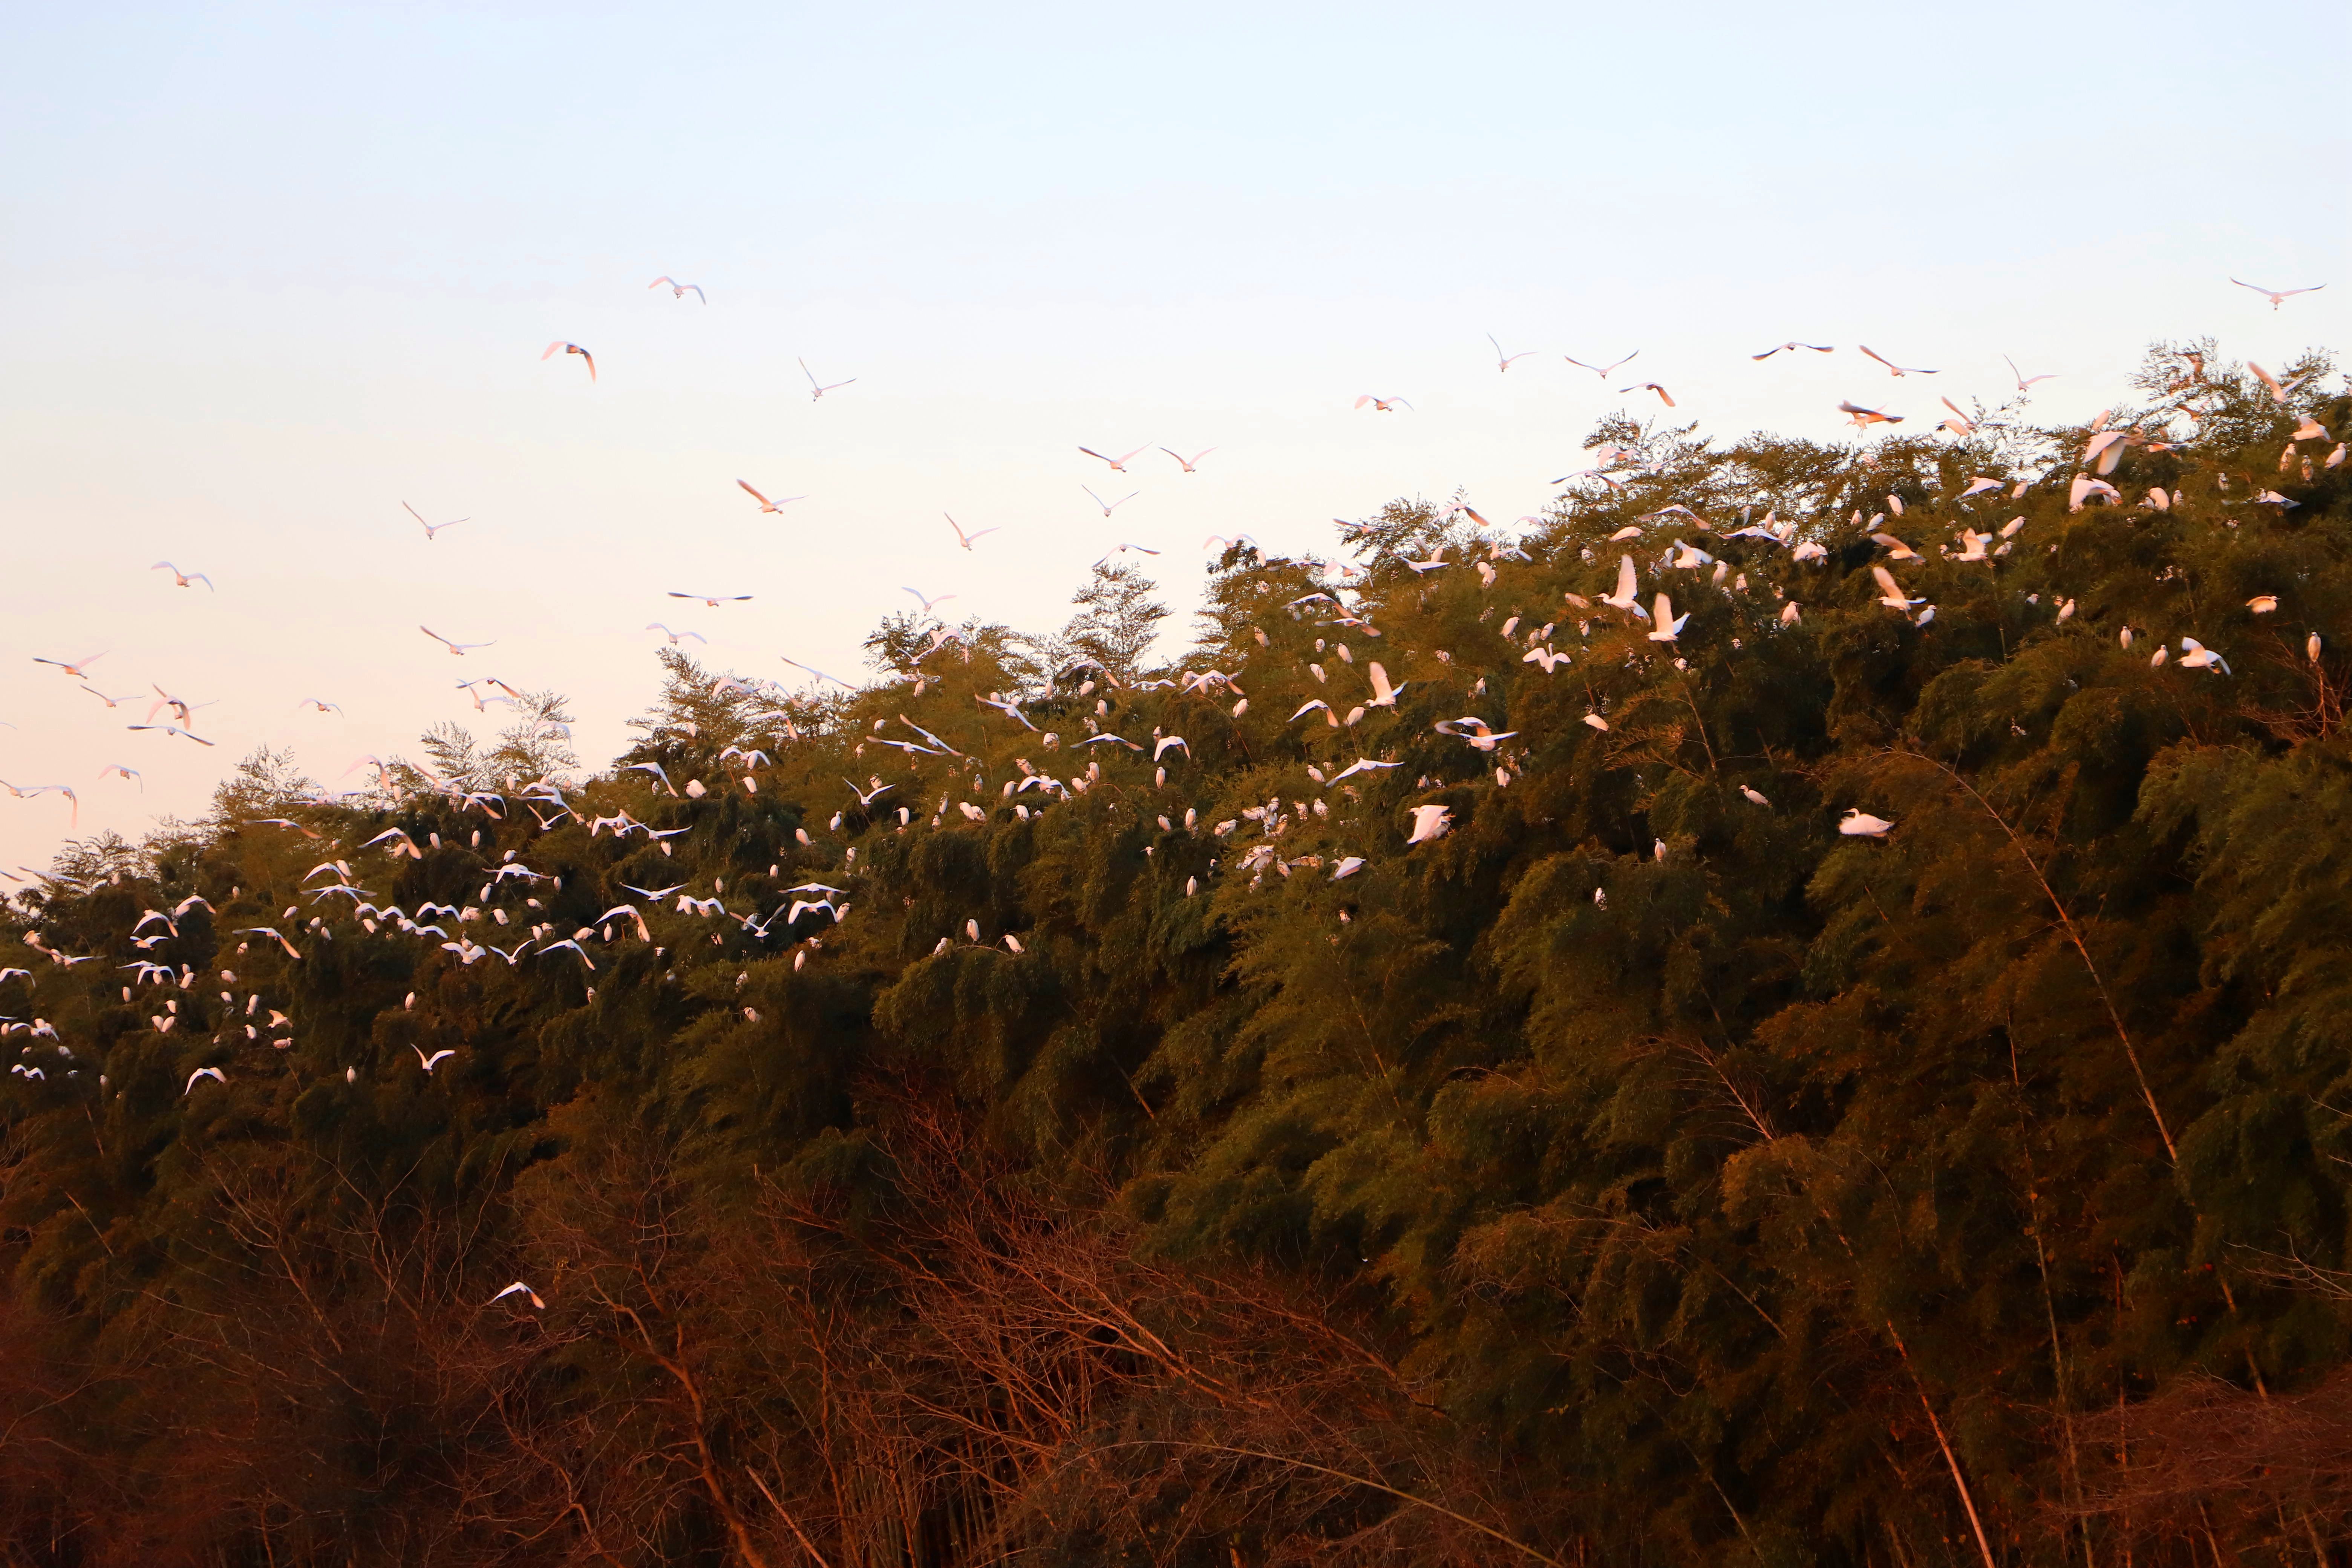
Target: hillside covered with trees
(1857, 1075)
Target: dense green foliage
(1642, 1170)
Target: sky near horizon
(274, 269)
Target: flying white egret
(172, 730)
(1890, 592)
(2277, 297)
(1602, 370)
(430, 528)
(2025, 381)
(1502, 359)
(2195, 655)
(765, 504)
(1668, 626)
(1627, 596)
(1893, 367)
(961, 537)
(456, 649)
(551, 350)
(819, 391)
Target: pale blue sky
(273, 270)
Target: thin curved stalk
(2074, 936)
(1485, 1529)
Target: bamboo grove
(1075, 1146)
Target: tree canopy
(1453, 1066)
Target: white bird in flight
(1602, 370)
(677, 290)
(1863, 417)
(1108, 506)
(1664, 395)
(2024, 382)
(1382, 405)
(1118, 464)
(212, 1073)
(182, 579)
(712, 600)
(570, 349)
(172, 730)
(2195, 655)
(819, 391)
(1668, 626)
(821, 675)
(430, 528)
(74, 666)
(2277, 296)
(1890, 592)
(518, 1288)
(1892, 366)
(765, 504)
(429, 1063)
(1627, 596)
(1502, 359)
(1184, 462)
(926, 602)
(1475, 732)
(674, 637)
(1428, 822)
(965, 539)
(459, 648)
(1781, 348)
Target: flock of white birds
(452, 928)
(160, 704)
